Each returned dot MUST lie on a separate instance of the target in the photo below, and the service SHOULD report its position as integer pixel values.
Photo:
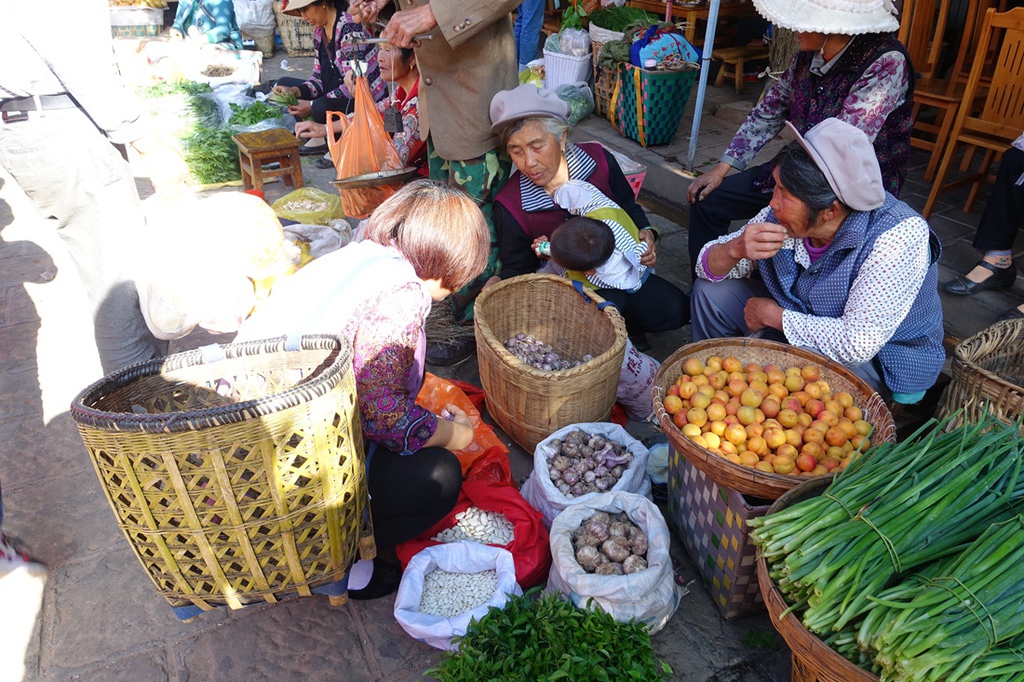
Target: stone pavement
(100, 618)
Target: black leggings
(658, 306)
(1004, 213)
(321, 105)
(739, 197)
(410, 493)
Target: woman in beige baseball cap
(850, 66)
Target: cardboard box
(711, 520)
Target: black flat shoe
(384, 581)
(306, 150)
(1001, 278)
(1011, 314)
(323, 162)
(640, 341)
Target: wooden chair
(1001, 118)
(931, 92)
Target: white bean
(451, 594)
(476, 525)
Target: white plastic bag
(574, 41)
(636, 381)
(650, 596)
(542, 494)
(322, 239)
(455, 557)
(255, 17)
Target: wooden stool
(258, 150)
(735, 57)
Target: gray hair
(804, 180)
(552, 125)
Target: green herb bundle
(893, 510)
(164, 88)
(616, 18)
(936, 626)
(252, 114)
(211, 155)
(547, 638)
(284, 99)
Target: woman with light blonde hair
(424, 242)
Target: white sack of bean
(569, 468)
(648, 592)
(445, 586)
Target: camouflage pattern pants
(481, 178)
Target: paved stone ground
(99, 617)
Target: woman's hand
(285, 89)
(350, 80)
(650, 257)
(454, 434)
(759, 313)
(302, 109)
(707, 183)
(308, 129)
(759, 241)
(536, 245)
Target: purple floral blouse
(346, 27)
(881, 89)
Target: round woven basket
(813, 660)
(236, 475)
(745, 479)
(988, 375)
(296, 34)
(530, 404)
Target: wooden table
(692, 13)
(268, 153)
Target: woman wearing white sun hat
(850, 66)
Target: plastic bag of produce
(636, 381)
(255, 17)
(574, 41)
(650, 595)
(309, 205)
(489, 487)
(533, 73)
(436, 393)
(540, 489)
(579, 98)
(458, 557)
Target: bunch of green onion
(895, 509)
(942, 623)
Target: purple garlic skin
(560, 462)
(589, 558)
(619, 529)
(611, 568)
(598, 529)
(601, 517)
(570, 476)
(634, 564)
(616, 549)
(639, 544)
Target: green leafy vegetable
(284, 99)
(211, 155)
(164, 88)
(252, 114)
(545, 638)
(573, 15)
(619, 18)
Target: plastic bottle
(650, 64)
(544, 249)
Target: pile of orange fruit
(782, 421)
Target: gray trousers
(716, 311)
(77, 179)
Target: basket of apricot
(760, 417)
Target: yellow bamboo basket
(813, 660)
(236, 472)
(762, 351)
(296, 33)
(530, 404)
(988, 376)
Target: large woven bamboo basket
(813, 660)
(236, 474)
(988, 376)
(296, 33)
(744, 479)
(530, 404)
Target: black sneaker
(452, 352)
(384, 581)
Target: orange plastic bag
(436, 394)
(364, 148)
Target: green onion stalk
(942, 624)
(893, 510)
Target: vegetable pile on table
(547, 638)
(252, 114)
(582, 463)
(882, 565)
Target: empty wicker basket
(988, 376)
(530, 404)
(237, 478)
(296, 33)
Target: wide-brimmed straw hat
(292, 7)
(831, 17)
